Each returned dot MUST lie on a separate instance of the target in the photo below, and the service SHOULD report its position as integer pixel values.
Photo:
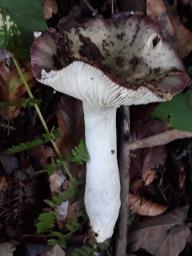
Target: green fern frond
(45, 222)
(46, 137)
(83, 251)
(79, 154)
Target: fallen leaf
(11, 86)
(143, 160)
(4, 182)
(41, 155)
(163, 235)
(145, 207)
(9, 163)
(49, 8)
(55, 251)
(57, 180)
(149, 177)
(71, 123)
(61, 212)
(7, 249)
(174, 31)
(158, 11)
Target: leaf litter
(166, 234)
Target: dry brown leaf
(174, 31)
(55, 251)
(4, 182)
(157, 11)
(143, 160)
(49, 8)
(136, 186)
(184, 38)
(145, 207)
(164, 235)
(56, 181)
(41, 155)
(149, 177)
(71, 123)
(11, 86)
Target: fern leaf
(83, 251)
(45, 222)
(79, 154)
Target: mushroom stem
(102, 191)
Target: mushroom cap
(127, 55)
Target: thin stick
(112, 7)
(124, 161)
(40, 115)
(90, 7)
(160, 139)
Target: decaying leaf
(11, 87)
(143, 160)
(8, 163)
(7, 249)
(149, 177)
(41, 155)
(4, 182)
(174, 31)
(49, 8)
(71, 123)
(145, 207)
(61, 212)
(55, 251)
(162, 235)
(56, 181)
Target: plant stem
(40, 115)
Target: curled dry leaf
(149, 177)
(162, 235)
(145, 207)
(143, 160)
(49, 8)
(57, 180)
(174, 31)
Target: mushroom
(105, 64)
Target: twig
(112, 7)
(160, 139)
(39, 114)
(90, 7)
(121, 241)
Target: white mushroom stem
(102, 192)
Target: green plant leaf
(177, 112)
(79, 154)
(27, 15)
(83, 251)
(46, 137)
(50, 168)
(45, 222)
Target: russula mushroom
(105, 64)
